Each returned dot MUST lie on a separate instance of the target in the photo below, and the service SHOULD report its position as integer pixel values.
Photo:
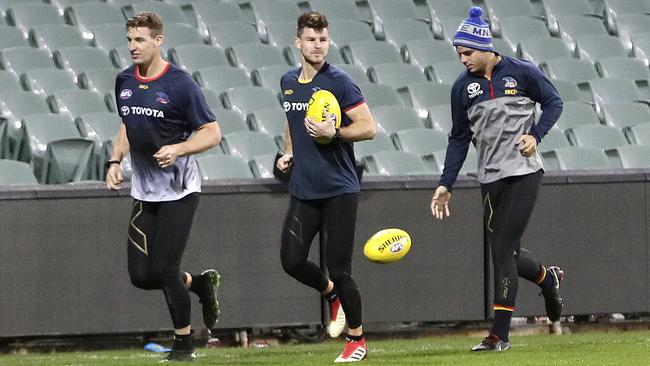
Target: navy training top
(320, 170)
(158, 111)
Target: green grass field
(602, 348)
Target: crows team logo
(510, 82)
(126, 94)
(162, 98)
(474, 90)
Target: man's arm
(363, 126)
(121, 147)
(205, 137)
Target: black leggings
(335, 218)
(158, 233)
(508, 204)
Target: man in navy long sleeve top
(493, 106)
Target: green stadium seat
(16, 172)
(633, 156)
(9, 82)
(396, 75)
(543, 48)
(248, 144)
(88, 15)
(102, 128)
(424, 52)
(516, 29)
(625, 114)
(612, 9)
(109, 36)
(214, 12)
(573, 27)
(11, 37)
(420, 141)
(245, 99)
(369, 53)
(553, 9)
(427, 94)
(573, 70)
(281, 34)
(217, 166)
(639, 134)
(269, 121)
(337, 9)
(250, 56)
(399, 32)
(577, 114)
(606, 91)
(393, 163)
(576, 158)
(52, 37)
(381, 142)
(121, 3)
(626, 68)
(74, 103)
(504, 48)
(25, 15)
(14, 106)
(445, 72)
(229, 121)
(568, 91)
(641, 46)
(554, 139)
(596, 136)
(169, 13)
(192, 57)
(262, 166)
(597, 47)
(269, 76)
(385, 10)
(177, 34)
(470, 166)
(443, 11)
(221, 78)
(501, 9)
(225, 34)
(439, 118)
(391, 119)
(378, 95)
(344, 32)
(47, 80)
(76, 60)
(630, 24)
(272, 11)
(355, 72)
(18, 60)
(100, 80)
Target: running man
(324, 185)
(493, 104)
(161, 106)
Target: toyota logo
(125, 110)
(473, 88)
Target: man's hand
(440, 203)
(284, 163)
(114, 177)
(527, 145)
(167, 155)
(323, 131)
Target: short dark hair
(146, 19)
(311, 19)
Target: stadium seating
(445, 72)
(441, 11)
(633, 156)
(391, 119)
(337, 9)
(577, 114)
(245, 99)
(424, 53)
(269, 76)
(625, 114)
(399, 32)
(100, 127)
(169, 13)
(569, 91)
(292, 55)
(248, 144)
(539, 49)
(31, 14)
(576, 158)
(420, 141)
(48, 80)
(14, 106)
(612, 9)
(598, 47)
(381, 142)
(11, 37)
(503, 47)
(208, 12)
(344, 32)
(250, 56)
(76, 102)
(606, 91)
(427, 94)
(384, 10)
(396, 163)
(77, 59)
(380, 95)
(177, 34)
(573, 70)
(216, 166)
(574, 27)
(515, 29)
(554, 139)
(220, 78)
(18, 60)
(262, 166)
(269, 121)
(396, 74)
(501, 9)
(557, 8)
(355, 72)
(9, 82)
(229, 121)
(101, 80)
(629, 24)
(439, 118)
(52, 37)
(16, 172)
(639, 134)
(192, 57)
(626, 68)
(87, 15)
(641, 47)
(596, 136)
(213, 99)
(369, 53)
(108, 36)
(272, 11)
(470, 166)
(225, 34)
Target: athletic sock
(548, 280)
(351, 338)
(501, 325)
(197, 281)
(183, 342)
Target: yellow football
(322, 104)
(387, 245)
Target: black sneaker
(552, 298)
(179, 356)
(491, 343)
(210, 281)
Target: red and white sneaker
(337, 318)
(354, 351)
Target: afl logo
(474, 90)
(126, 93)
(125, 110)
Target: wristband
(337, 135)
(111, 162)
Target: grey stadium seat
(516, 29)
(27, 15)
(271, 11)
(192, 57)
(220, 78)
(262, 166)
(249, 56)
(378, 95)
(576, 158)
(355, 72)
(281, 34)
(424, 52)
(443, 10)
(501, 9)
(229, 121)
(554, 9)
(9, 82)
(270, 121)
(399, 32)
(17, 60)
(225, 34)
(88, 15)
(213, 12)
(391, 119)
(396, 74)
(109, 36)
(573, 70)
(52, 37)
(625, 114)
(269, 76)
(421, 141)
(445, 72)
(577, 114)
(633, 156)
(337, 9)
(606, 91)
(169, 13)
(11, 37)
(74, 103)
(47, 80)
(597, 47)
(16, 172)
(248, 144)
(344, 32)
(384, 10)
(369, 53)
(554, 139)
(76, 60)
(597, 136)
(101, 80)
(217, 166)
(396, 163)
(439, 118)
(428, 94)
(630, 24)
(573, 27)
(543, 48)
(470, 166)
(639, 134)
(381, 142)
(245, 99)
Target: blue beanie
(474, 32)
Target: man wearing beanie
(493, 106)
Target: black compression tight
(508, 204)
(158, 233)
(335, 218)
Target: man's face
(314, 45)
(475, 61)
(142, 46)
